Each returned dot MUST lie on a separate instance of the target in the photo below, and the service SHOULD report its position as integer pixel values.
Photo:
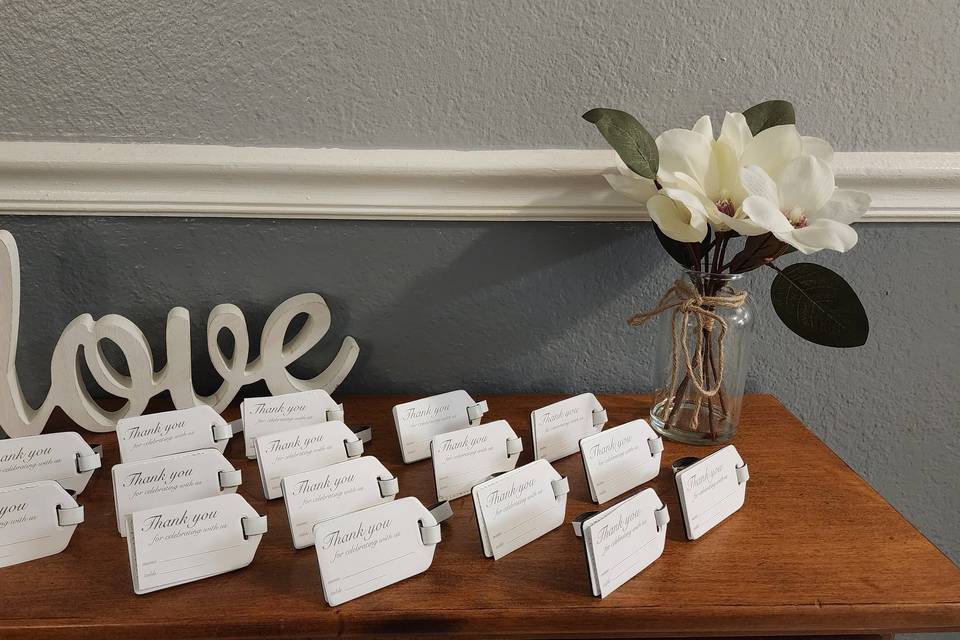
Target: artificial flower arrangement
(728, 205)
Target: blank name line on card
(627, 557)
(360, 584)
(526, 522)
(192, 566)
(717, 504)
(379, 564)
(23, 541)
(201, 553)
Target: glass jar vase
(703, 344)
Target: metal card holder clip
(656, 445)
(743, 473)
(230, 479)
(388, 486)
(579, 520)
(335, 413)
(560, 487)
(253, 526)
(69, 516)
(364, 433)
(430, 534)
(514, 446)
(353, 448)
(475, 412)
(90, 461)
(226, 431)
(661, 516)
(599, 418)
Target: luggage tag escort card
(710, 489)
(305, 448)
(163, 434)
(620, 458)
(367, 550)
(321, 494)
(172, 479)
(419, 421)
(466, 457)
(623, 540)
(64, 457)
(558, 428)
(37, 519)
(519, 506)
(189, 541)
(262, 416)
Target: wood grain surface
(815, 550)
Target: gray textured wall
(502, 306)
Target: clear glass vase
(714, 320)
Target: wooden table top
(814, 550)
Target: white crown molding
(58, 178)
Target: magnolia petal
(766, 214)
(844, 206)
(721, 181)
(818, 148)
(685, 151)
(824, 234)
(773, 149)
(676, 220)
(704, 127)
(756, 182)
(805, 184)
(745, 226)
(735, 132)
(636, 188)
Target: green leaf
(686, 254)
(818, 305)
(635, 146)
(768, 114)
(758, 251)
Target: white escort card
(710, 489)
(557, 428)
(519, 506)
(419, 421)
(367, 550)
(172, 479)
(64, 457)
(189, 541)
(37, 519)
(303, 449)
(466, 457)
(262, 416)
(322, 494)
(163, 434)
(620, 458)
(623, 540)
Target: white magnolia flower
(701, 175)
(802, 206)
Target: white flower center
(796, 218)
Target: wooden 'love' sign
(84, 334)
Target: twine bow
(685, 300)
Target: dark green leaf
(818, 305)
(686, 254)
(635, 146)
(768, 114)
(757, 251)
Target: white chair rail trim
(59, 178)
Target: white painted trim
(203, 180)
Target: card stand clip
(354, 448)
(388, 486)
(599, 418)
(253, 526)
(743, 474)
(579, 520)
(223, 432)
(230, 479)
(335, 414)
(364, 433)
(514, 446)
(656, 445)
(476, 411)
(89, 462)
(69, 516)
(430, 534)
(561, 487)
(661, 516)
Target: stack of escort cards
(176, 501)
(40, 477)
